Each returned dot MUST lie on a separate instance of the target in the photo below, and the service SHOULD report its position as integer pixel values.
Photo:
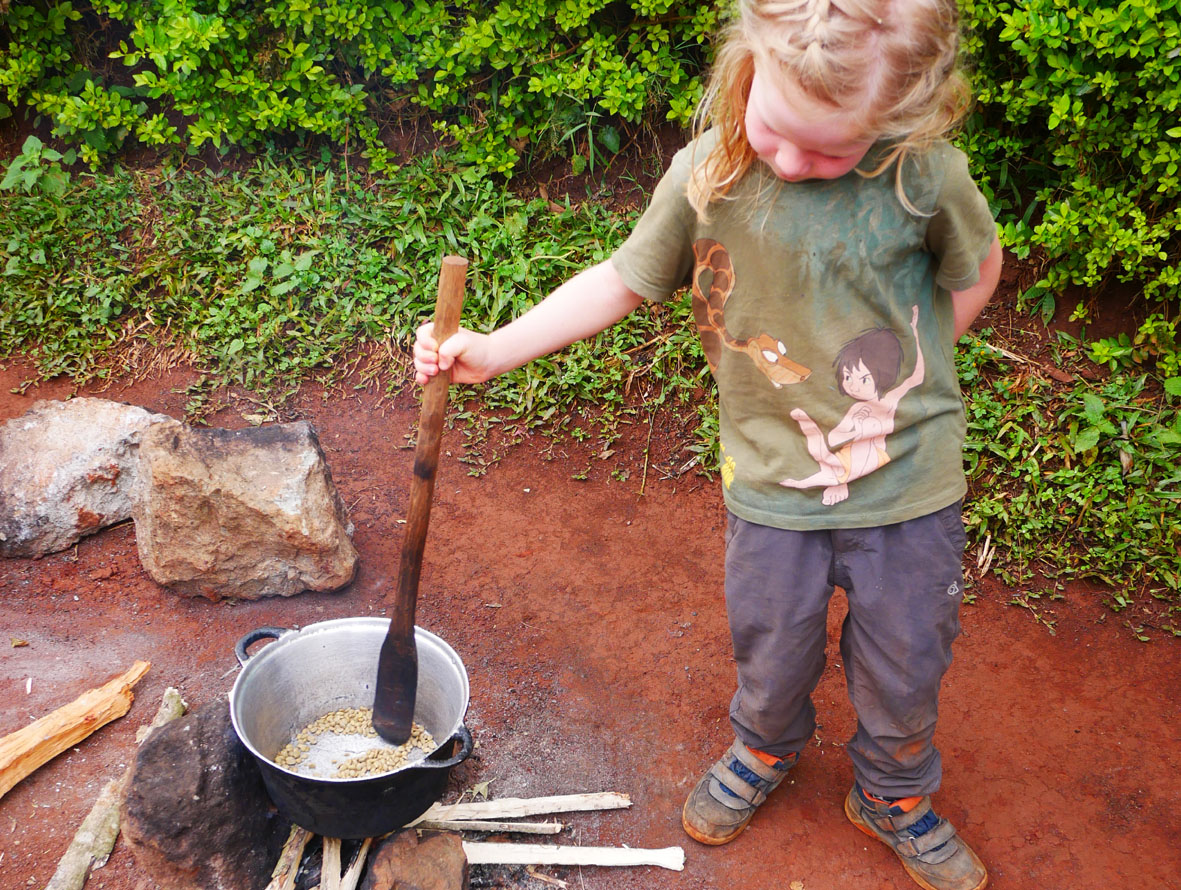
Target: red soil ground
(589, 615)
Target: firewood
(283, 877)
(330, 864)
(352, 875)
(25, 750)
(544, 878)
(92, 843)
(172, 707)
(479, 853)
(497, 827)
(511, 807)
(94, 840)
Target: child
(822, 220)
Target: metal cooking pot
(327, 666)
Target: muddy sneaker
(721, 804)
(930, 850)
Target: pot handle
(465, 737)
(259, 633)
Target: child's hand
(466, 353)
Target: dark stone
(196, 815)
(403, 861)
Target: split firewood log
(23, 751)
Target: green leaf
(1093, 408)
(608, 137)
(1086, 439)
(55, 182)
(13, 175)
(303, 262)
(1173, 386)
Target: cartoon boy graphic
(866, 367)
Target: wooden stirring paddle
(397, 665)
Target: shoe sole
(854, 817)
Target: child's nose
(792, 162)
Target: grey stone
(66, 471)
(240, 513)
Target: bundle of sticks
(487, 816)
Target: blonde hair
(891, 64)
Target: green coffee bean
(352, 722)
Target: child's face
(797, 137)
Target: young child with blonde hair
(836, 248)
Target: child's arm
(590, 302)
(966, 304)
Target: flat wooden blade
(397, 683)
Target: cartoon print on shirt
(866, 367)
(768, 353)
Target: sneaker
(931, 851)
(725, 799)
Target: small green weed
(1073, 483)
(37, 167)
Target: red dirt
(591, 622)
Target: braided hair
(890, 64)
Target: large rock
(196, 815)
(240, 513)
(66, 470)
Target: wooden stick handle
(426, 457)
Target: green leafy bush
(264, 276)
(1078, 138)
(494, 77)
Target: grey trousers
(904, 584)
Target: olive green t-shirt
(824, 310)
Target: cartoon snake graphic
(713, 281)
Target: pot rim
(283, 636)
